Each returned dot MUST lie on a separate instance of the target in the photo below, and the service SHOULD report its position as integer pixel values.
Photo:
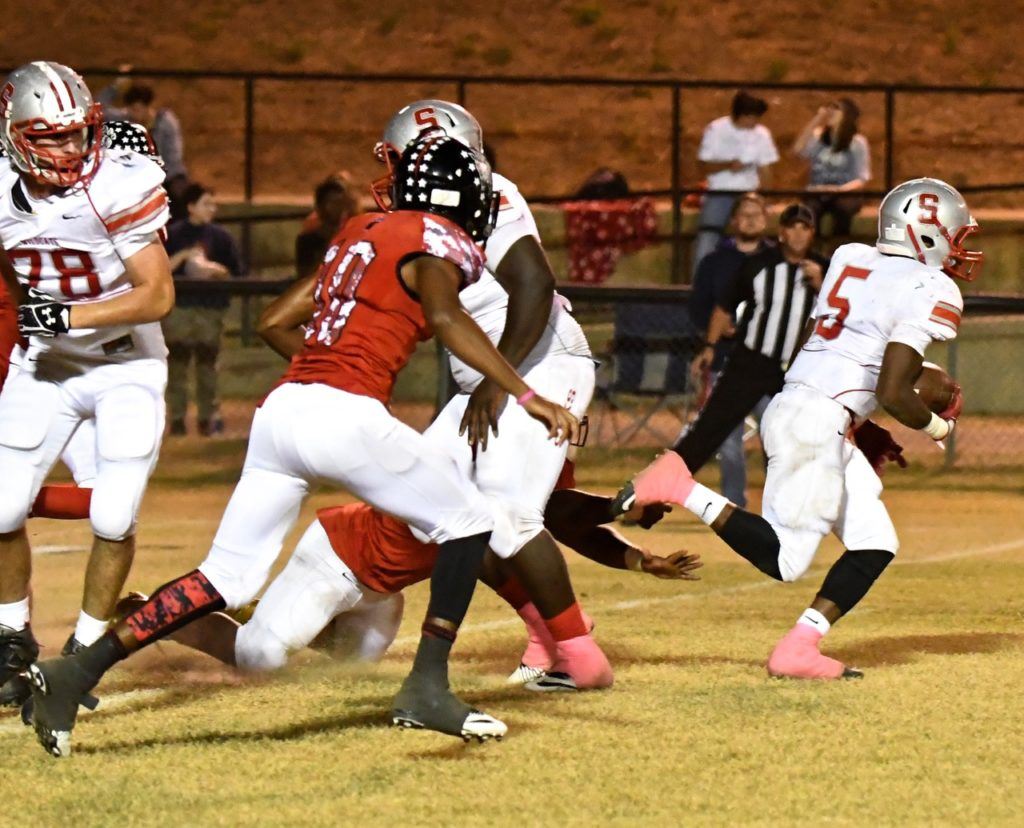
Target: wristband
(937, 428)
(526, 396)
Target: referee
(772, 297)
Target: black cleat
(422, 704)
(15, 692)
(623, 501)
(58, 688)
(852, 673)
(71, 646)
(18, 649)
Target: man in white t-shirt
(735, 152)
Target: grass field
(693, 732)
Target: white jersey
(869, 299)
(487, 302)
(73, 246)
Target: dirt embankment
(549, 138)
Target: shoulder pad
(127, 135)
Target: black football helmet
(439, 174)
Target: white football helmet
(409, 123)
(44, 99)
(928, 220)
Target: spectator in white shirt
(840, 162)
(735, 153)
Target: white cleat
(524, 674)
(482, 727)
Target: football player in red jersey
(388, 282)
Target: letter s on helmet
(412, 121)
(928, 220)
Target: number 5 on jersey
(829, 327)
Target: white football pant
(520, 467)
(40, 412)
(818, 481)
(315, 589)
(306, 433)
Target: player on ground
(79, 224)
(388, 282)
(516, 305)
(341, 589)
(878, 310)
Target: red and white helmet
(412, 121)
(928, 220)
(45, 99)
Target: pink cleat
(797, 656)
(540, 650)
(666, 480)
(580, 665)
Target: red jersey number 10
(829, 327)
(336, 291)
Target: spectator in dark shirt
(711, 287)
(198, 249)
(334, 204)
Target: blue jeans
(714, 216)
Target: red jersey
(382, 551)
(8, 330)
(367, 323)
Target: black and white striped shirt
(772, 301)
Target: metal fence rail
(645, 402)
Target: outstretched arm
(574, 518)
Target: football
(935, 387)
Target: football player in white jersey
(79, 229)
(516, 305)
(878, 309)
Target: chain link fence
(644, 343)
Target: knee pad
(524, 523)
(257, 649)
(112, 514)
(365, 633)
(514, 527)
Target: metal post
(460, 94)
(952, 351)
(890, 107)
(677, 178)
(250, 143)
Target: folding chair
(648, 358)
